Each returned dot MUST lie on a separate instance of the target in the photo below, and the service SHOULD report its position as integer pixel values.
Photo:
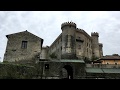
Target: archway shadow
(69, 72)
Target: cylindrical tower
(95, 45)
(68, 40)
(100, 48)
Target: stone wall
(15, 52)
(83, 45)
(56, 47)
(55, 69)
(16, 71)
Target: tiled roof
(110, 57)
(23, 32)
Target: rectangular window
(24, 44)
(46, 66)
(87, 44)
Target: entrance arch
(67, 72)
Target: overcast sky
(47, 25)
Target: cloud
(47, 25)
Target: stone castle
(72, 43)
(64, 58)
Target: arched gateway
(67, 72)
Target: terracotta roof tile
(110, 57)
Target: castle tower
(68, 40)
(100, 48)
(95, 45)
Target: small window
(24, 44)
(46, 66)
(87, 44)
(13, 50)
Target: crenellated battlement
(79, 29)
(68, 24)
(95, 34)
